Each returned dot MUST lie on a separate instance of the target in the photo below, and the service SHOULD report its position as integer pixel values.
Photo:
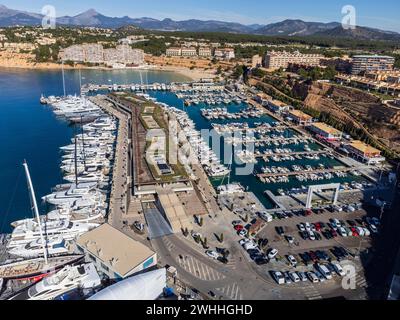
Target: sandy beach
(26, 61)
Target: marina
(103, 165)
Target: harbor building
(300, 117)
(325, 131)
(174, 52)
(367, 63)
(282, 59)
(119, 261)
(364, 152)
(278, 106)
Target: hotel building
(282, 59)
(205, 52)
(174, 52)
(189, 52)
(365, 63)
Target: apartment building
(19, 46)
(95, 53)
(368, 63)
(282, 59)
(205, 52)
(225, 53)
(189, 52)
(256, 61)
(174, 52)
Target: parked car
(311, 236)
(236, 222)
(289, 239)
(320, 276)
(272, 253)
(301, 227)
(278, 277)
(304, 235)
(342, 231)
(212, 254)
(265, 216)
(238, 227)
(261, 260)
(292, 260)
(338, 269)
(324, 271)
(243, 233)
(312, 277)
(280, 231)
(288, 279)
(373, 228)
(302, 276)
(139, 226)
(250, 245)
(313, 256)
(294, 276)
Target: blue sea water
(31, 131)
(248, 180)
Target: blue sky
(383, 14)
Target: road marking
(231, 291)
(200, 270)
(312, 293)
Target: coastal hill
(92, 18)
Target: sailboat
(38, 268)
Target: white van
(324, 271)
(265, 216)
(278, 277)
(312, 277)
(338, 269)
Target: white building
(115, 254)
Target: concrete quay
(119, 197)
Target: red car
(308, 212)
(238, 227)
(313, 256)
(334, 233)
(317, 226)
(355, 232)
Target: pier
(303, 172)
(300, 153)
(120, 195)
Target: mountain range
(91, 18)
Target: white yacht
(34, 249)
(30, 230)
(69, 278)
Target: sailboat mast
(83, 144)
(80, 82)
(35, 207)
(63, 76)
(76, 162)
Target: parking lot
(301, 243)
